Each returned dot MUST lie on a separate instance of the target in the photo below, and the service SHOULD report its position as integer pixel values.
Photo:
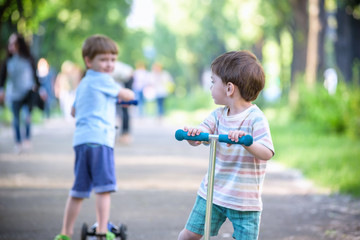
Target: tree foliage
(187, 34)
(59, 27)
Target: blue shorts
(94, 169)
(245, 223)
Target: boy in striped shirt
(237, 79)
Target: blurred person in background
(19, 71)
(163, 85)
(141, 80)
(331, 80)
(65, 85)
(47, 78)
(123, 74)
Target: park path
(158, 178)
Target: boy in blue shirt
(94, 111)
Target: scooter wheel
(84, 231)
(123, 231)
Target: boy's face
(104, 62)
(218, 89)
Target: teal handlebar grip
(182, 135)
(246, 140)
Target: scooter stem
(210, 188)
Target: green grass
(330, 160)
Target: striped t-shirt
(239, 176)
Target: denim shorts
(94, 169)
(245, 223)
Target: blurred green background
(314, 128)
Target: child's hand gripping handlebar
(180, 135)
(132, 102)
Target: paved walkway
(158, 177)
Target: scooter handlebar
(180, 135)
(132, 102)
(246, 140)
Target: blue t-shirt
(95, 109)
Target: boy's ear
(87, 62)
(230, 88)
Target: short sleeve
(210, 123)
(261, 132)
(108, 86)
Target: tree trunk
(322, 38)
(356, 37)
(343, 44)
(299, 34)
(313, 41)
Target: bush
(352, 116)
(5, 115)
(338, 113)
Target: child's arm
(193, 132)
(258, 150)
(73, 111)
(126, 94)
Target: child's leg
(188, 235)
(103, 203)
(246, 224)
(72, 210)
(194, 228)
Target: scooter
(119, 231)
(246, 140)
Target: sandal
(62, 237)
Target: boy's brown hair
(243, 70)
(98, 44)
